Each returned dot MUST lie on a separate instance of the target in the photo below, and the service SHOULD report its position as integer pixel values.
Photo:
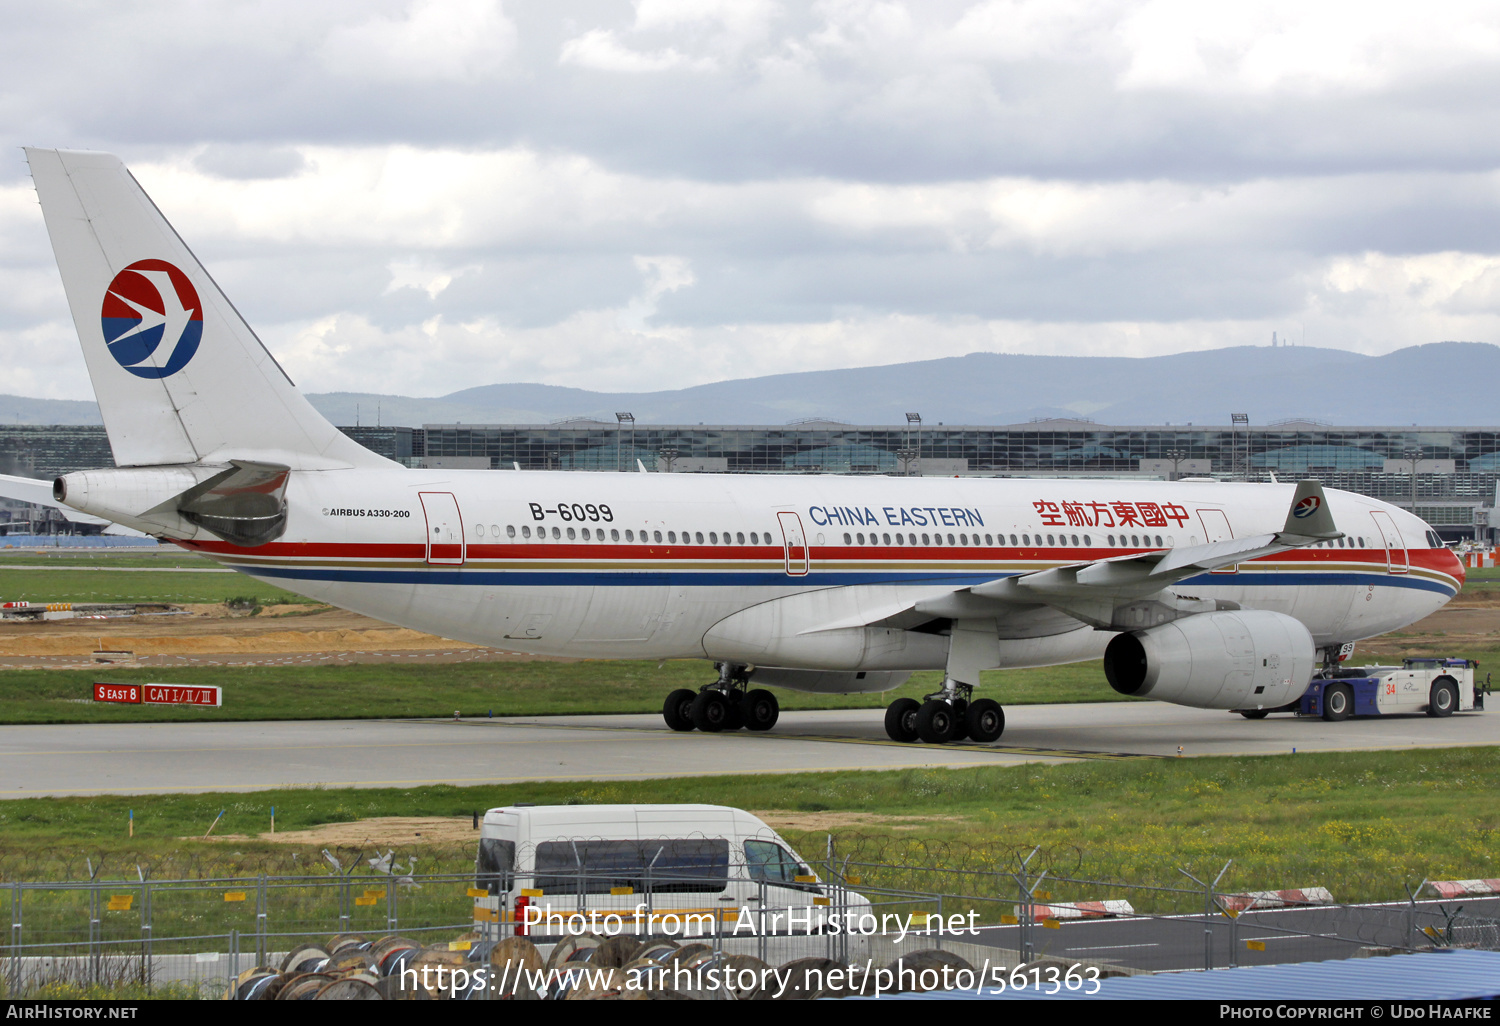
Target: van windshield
(773, 864)
(492, 870)
(669, 864)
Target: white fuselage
(645, 565)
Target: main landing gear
(947, 715)
(726, 704)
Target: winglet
(1309, 516)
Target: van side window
(665, 865)
(493, 868)
(774, 864)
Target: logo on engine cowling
(1307, 507)
(152, 319)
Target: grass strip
(117, 586)
(393, 690)
(1359, 823)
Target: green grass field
(165, 556)
(1483, 579)
(1359, 823)
(378, 690)
(94, 585)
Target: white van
(544, 871)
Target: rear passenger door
(1216, 528)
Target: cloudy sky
(418, 196)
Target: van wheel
(901, 720)
(710, 712)
(677, 710)
(1338, 702)
(761, 709)
(1442, 698)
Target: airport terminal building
(1446, 475)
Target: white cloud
(601, 50)
(662, 274)
(1293, 44)
(1452, 284)
(425, 276)
(432, 39)
(711, 33)
(410, 193)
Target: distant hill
(17, 409)
(1445, 383)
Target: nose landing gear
(726, 704)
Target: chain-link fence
(198, 936)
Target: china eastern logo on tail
(152, 319)
(1307, 507)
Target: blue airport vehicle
(1435, 686)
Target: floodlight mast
(913, 453)
(620, 420)
(1235, 420)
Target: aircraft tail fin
(1309, 516)
(180, 377)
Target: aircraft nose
(1455, 566)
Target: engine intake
(1241, 659)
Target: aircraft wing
(1122, 593)
(1144, 573)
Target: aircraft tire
(985, 720)
(1255, 714)
(761, 710)
(937, 722)
(960, 721)
(711, 712)
(901, 720)
(1442, 697)
(736, 718)
(677, 710)
(1338, 702)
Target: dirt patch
(1482, 598)
(783, 819)
(78, 644)
(383, 831)
(394, 831)
(1456, 629)
(292, 609)
(210, 630)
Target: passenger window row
(598, 534)
(1054, 540)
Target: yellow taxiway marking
(952, 746)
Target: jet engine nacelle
(1241, 659)
(243, 503)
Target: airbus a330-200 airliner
(1214, 595)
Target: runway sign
(159, 694)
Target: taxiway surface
(117, 758)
